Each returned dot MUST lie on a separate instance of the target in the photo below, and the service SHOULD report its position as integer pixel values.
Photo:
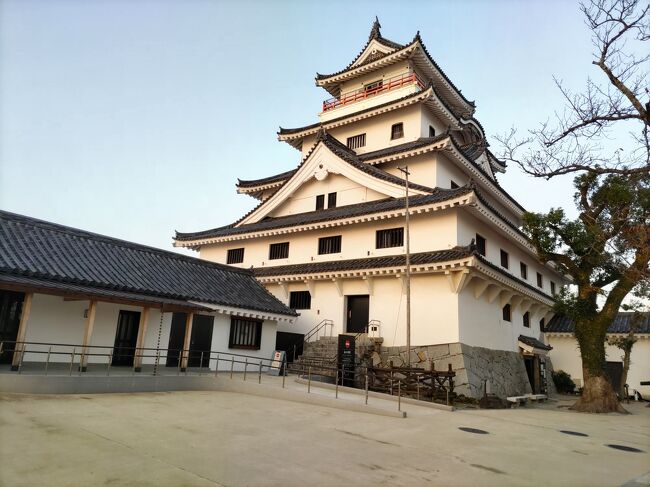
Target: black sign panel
(347, 360)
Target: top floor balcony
(372, 89)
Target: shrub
(563, 382)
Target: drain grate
(625, 448)
(473, 430)
(574, 433)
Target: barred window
(374, 86)
(506, 312)
(279, 250)
(504, 259)
(320, 201)
(331, 200)
(300, 300)
(540, 280)
(329, 245)
(523, 268)
(527, 319)
(480, 244)
(245, 333)
(397, 131)
(235, 256)
(393, 237)
(357, 141)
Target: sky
(135, 118)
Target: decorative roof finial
(375, 33)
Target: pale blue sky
(135, 118)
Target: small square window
(357, 141)
(527, 319)
(245, 333)
(506, 312)
(397, 131)
(320, 201)
(329, 245)
(542, 323)
(480, 245)
(279, 250)
(523, 269)
(331, 200)
(393, 237)
(540, 280)
(235, 256)
(432, 131)
(504, 259)
(300, 300)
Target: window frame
(553, 289)
(281, 250)
(506, 310)
(540, 280)
(526, 319)
(481, 238)
(397, 131)
(454, 184)
(331, 200)
(253, 326)
(230, 255)
(324, 241)
(432, 131)
(320, 202)
(386, 236)
(356, 141)
(300, 300)
(523, 270)
(505, 259)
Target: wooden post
(139, 344)
(88, 333)
(22, 331)
(186, 341)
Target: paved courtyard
(233, 439)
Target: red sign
(347, 343)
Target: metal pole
(284, 372)
(155, 366)
(232, 365)
(391, 382)
(22, 357)
(47, 362)
(399, 395)
(418, 386)
(366, 388)
(108, 367)
(309, 380)
(201, 365)
(405, 170)
(259, 377)
(74, 349)
(245, 367)
(216, 371)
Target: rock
(375, 359)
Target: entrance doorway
(358, 314)
(11, 305)
(126, 338)
(200, 341)
(534, 372)
(176, 338)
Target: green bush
(563, 382)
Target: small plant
(563, 382)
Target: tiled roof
(397, 149)
(251, 183)
(59, 256)
(621, 324)
(534, 342)
(328, 214)
(365, 263)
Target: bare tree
(576, 139)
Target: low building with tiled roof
(329, 238)
(566, 354)
(65, 289)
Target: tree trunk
(598, 396)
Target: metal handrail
(316, 329)
(367, 328)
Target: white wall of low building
(566, 356)
(220, 339)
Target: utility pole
(406, 172)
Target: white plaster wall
(469, 226)
(482, 324)
(220, 339)
(430, 231)
(566, 356)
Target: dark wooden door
(126, 337)
(358, 313)
(11, 306)
(614, 371)
(200, 341)
(176, 338)
(530, 371)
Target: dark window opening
(540, 280)
(374, 86)
(320, 201)
(329, 245)
(506, 312)
(393, 237)
(542, 323)
(300, 300)
(527, 319)
(397, 131)
(480, 245)
(523, 268)
(504, 259)
(432, 131)
(357, 141)
(245, 333)
(235, 256)
(552, 288)
(331, 200)
(279, 250)
(454, 185)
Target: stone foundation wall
(505, 371)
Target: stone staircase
(320, 355)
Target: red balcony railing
(373, 89)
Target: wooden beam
(22, 331)
(494, 293)
(480, 287)
(505, 298)
(370, 283)
(339, 286)
(88, 334)
(285, 289)
(186, 341)
(516, 301)
(139, 344)
(311, 287)
(457, 280)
